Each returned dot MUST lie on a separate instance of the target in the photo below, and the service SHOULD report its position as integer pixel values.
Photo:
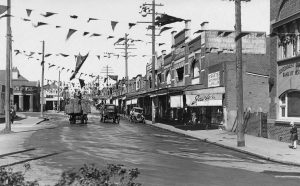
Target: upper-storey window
(168, 78)
(289, 104)
(288, 41)
(195, 69)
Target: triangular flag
(81, 82)
(164, 29)
(17, 52)
(119, 40)
(79, 62)
(131, 25)
(85, 33)
(109, 37)
(113, 25)
(71, 32)
(6, 15)
(160, 44)
(48, 14)
(64, 55)
(165, 19)
(74, 16)
(95, 34)
(91, 19)
(24, 19)
(39, 24)
(57, 26)
(47, 55)
(50, 66)
(3, 9)
(98, 56)
(28, 12)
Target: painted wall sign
(214, 79)
(288, 77)
(204, 100)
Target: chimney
(173, 40)
(187, 30)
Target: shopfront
(205, 106)
(130, 103)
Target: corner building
(285, 68)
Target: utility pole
(239, 76)
(107, 70)
(126, 48)
(58, 87)
(42, 81)
(8, 71)
(153, 28)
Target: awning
(215, 90)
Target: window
(289, 104)
(195, 69)
(168, 78)
(180, 72)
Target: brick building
(285, 67)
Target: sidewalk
(268, 149)
(21, 129)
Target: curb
(226, 146)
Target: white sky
(219, 13)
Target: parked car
(136, 115)
(109, 112)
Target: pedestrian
(12, 114)
(294, 135)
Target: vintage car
(109, 112)
(136, 115)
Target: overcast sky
(219, 14)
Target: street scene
(155, 93)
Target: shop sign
(214, 79)
(204, 100)
(131, 102)
(288, 77)
(176, 101)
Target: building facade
(26, 94)
(195, 81)
(285, 67)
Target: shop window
(180, 72)
(289, 104)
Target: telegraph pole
(153, 44)
(58, 87)
(126, 48)
(8, 71)
(239, 76)
(42, 81)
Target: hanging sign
(214, 79)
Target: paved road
(164, 158)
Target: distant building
(26, 94)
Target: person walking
(294, 135)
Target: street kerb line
(16, 152)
